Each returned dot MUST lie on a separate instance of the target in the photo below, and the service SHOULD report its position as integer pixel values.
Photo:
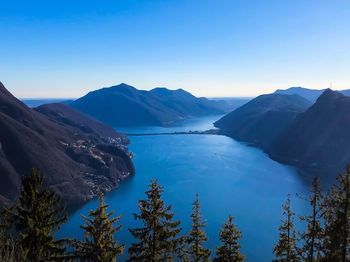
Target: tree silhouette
(337, 219)
(286, 249)
(99, 244)
(197, 237)
(312, 238)
(36, 218)
(158, 238)
(229, 251)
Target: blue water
(230, 177)
(194, 124)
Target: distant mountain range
(262, 119)
(310, 94)
(42, 101)
(313, 137)
(231, 103)
(124, 105)
(77, 155)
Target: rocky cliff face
(77, 155)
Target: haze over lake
(230, 177)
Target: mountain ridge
(262, 119)
(76, 163)
(310, 94)
(158, 107)
(318, 141)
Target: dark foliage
(337, 220)
(196, 237)
(229, 251)
(286, 249)
(36, 218)
(99, 244)
(158, 238)
(312, 238)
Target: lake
(229, 176)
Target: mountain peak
(122, 86)
(4, 91)
(166, 91)
(329, 91)
(293, 88)
(160, 90)
(182, 91)
(329, 95)
(8, 102)
(310, 94)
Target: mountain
(77, 155)
(262, 119)
(38, 102)
(310, 94)
(68, 117)
(318, 141)
(229, 104)
(157, 107)
(185, 103)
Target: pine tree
(3, 228)
(337, 219)
(36, 218)
(286, 249)
(312, 238)
(158, 238)
(197, 237)
(229, 251)
(99, 244)
(11, 251)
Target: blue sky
(209, 47)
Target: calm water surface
(230, 177)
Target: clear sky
(209, 47)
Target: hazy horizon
(209, 97)
(226, 49)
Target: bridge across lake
(207, 132)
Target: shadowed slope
(262, 119)
(72, 161)
(318, 141)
